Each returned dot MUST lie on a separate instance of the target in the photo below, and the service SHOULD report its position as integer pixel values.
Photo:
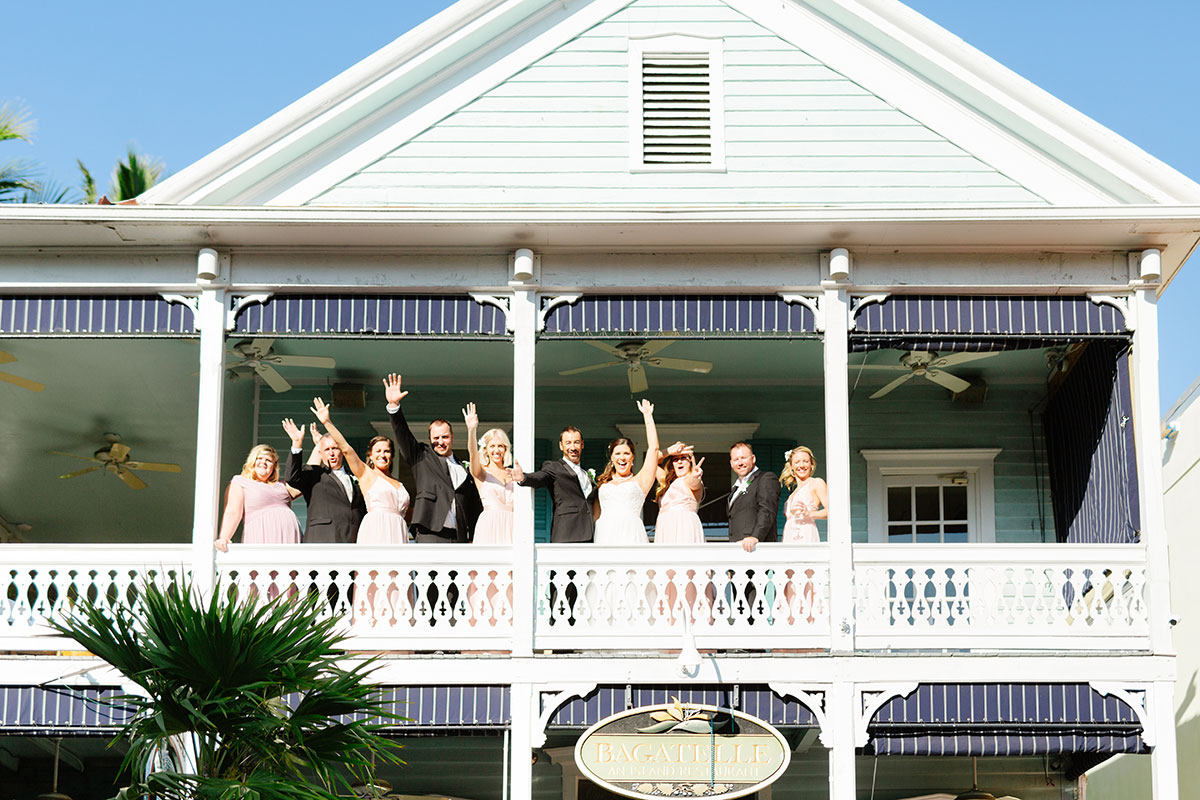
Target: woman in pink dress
(680, 490)
(260, 502)
(808, 502)
(387, 500)
(493, 477)
(808, 499)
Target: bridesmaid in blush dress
(680, 490)
(384, 524)
(808, 502)
(260, 502)
(493, 477)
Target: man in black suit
(445, 501)
(335, 503)
(753, 500)
(571, 489)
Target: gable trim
(553, 34)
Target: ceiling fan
(8, 358)
(254, 355)
(635, 356)
(115, 458)
(928, 365)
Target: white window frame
(977, 465)
(678, 43)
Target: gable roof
(360, 116)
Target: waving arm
(646, 475)
(323, 413)
(472, 420)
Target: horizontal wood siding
(796, 132)
(916, 416)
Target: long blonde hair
(485, 440)
(255, 452)
(786, 476)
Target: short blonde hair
(497, 433)
(255, 452)
(786, 476)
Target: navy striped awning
(448, 707)
(997, 719)
(372, 315)
(112, 315)
(53, 710)
(679, 316)
(758, 701)
(954, 322)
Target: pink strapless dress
(495, 524)
(267, 517)
(678, 520)
(384, 522)
(800, 527)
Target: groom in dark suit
(335, 503)
(753, 500)
(445, 501)
(572, 490)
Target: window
(931, 496)
(676, 104)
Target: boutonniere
(591, 473)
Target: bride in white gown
(622, 492)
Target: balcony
(601, 600)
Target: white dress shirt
(457, 475)
(740, 486)
(585, 480)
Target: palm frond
(134, 175)
(15, 123)
(257, 685)
(89, 183)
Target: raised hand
(676, 449)
(646, 407)
(516, 472)
(470, 417)
(698, 468)
(315, 432)
(321, 410)
(391, 390)
(295, 433)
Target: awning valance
(958, 323)
(96, 315)
(419, 316)
(712, 316)
(998, 719)
(758, 701)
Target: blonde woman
(260, 502)
(493, 476)
(809, 499)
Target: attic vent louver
(676, 108)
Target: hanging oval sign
(682, 750)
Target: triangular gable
(827, 102)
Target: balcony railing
(592, 598)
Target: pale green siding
(796, 132)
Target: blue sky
(181, 79)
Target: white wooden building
(813, 196)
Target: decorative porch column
(211, 320)
(524, 716)
(835, 311)
(1164, 769)
(1147, 438)
(523, 319)
(841, 715)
